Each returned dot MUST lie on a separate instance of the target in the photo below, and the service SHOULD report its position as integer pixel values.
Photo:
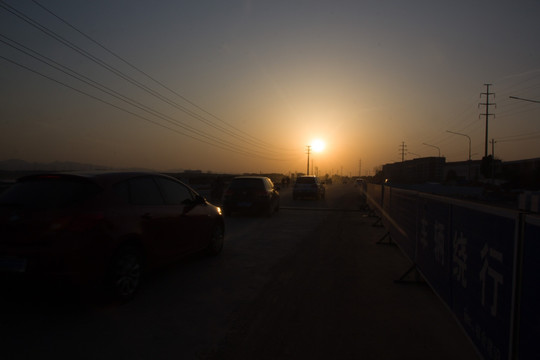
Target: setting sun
(317, 145)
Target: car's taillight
(80, 222)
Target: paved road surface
(302, 284)
(334, 298)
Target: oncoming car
(308, 186)
(103, 228)
(251, 194)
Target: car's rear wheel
(215, 246)
(125, 273)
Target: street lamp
(436, 147)
(468, 137)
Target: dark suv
(308, 186)
(103, 228)
(251, 194)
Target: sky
(247, 86)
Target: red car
(103, 228)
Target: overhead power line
(74, 74)
(128, 78)
(529, 100)
(520, 139)
(146, 74)
(511, 137)
(246, 153)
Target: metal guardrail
(482, 261)
(298, 208)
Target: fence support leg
(417, 279)
(388, 237)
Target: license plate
(12, 264)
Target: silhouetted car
(308, 186)
(251, 194)
(102, 228)
(361, 183)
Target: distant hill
(21, 165)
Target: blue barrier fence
(529, 321)
(483, 262)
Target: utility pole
(493, 160)
(402, 150)
(487, 114)
(308, 152)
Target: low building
(469, 170)
(416, 171)
(523, 173)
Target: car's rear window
(305, 180)
(49, 192)
(247, 184)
